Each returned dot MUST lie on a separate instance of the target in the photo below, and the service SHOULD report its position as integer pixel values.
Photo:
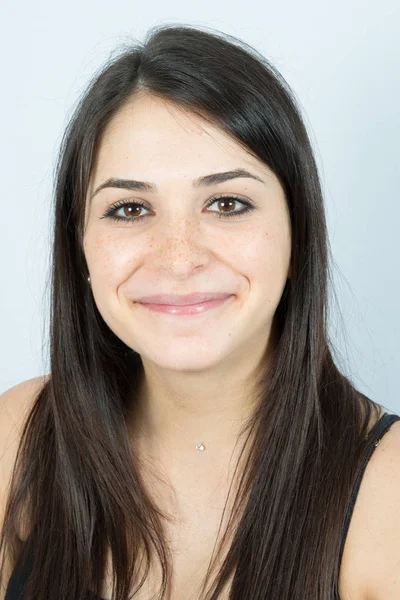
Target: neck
(172, 422)
(165, 423)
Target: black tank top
(18, 579)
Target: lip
(187, 309)
(189, 299)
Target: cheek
(109, 257)
(265, 256)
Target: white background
(342, 60)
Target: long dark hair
(77, 480)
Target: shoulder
(374, 533)
(382, 517)
(18, 398)
(15, 404)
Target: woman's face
(181, 245)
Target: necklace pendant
(200, 447)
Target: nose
(180, 247)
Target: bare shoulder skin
(15, 404)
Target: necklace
(200, 446)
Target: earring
(88, 279)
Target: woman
(194, 416)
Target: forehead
(150, 134)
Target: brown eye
(226, 203)
(129, 211)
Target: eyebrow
(206, 180)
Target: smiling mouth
(186, 309)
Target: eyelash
(110, 214)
